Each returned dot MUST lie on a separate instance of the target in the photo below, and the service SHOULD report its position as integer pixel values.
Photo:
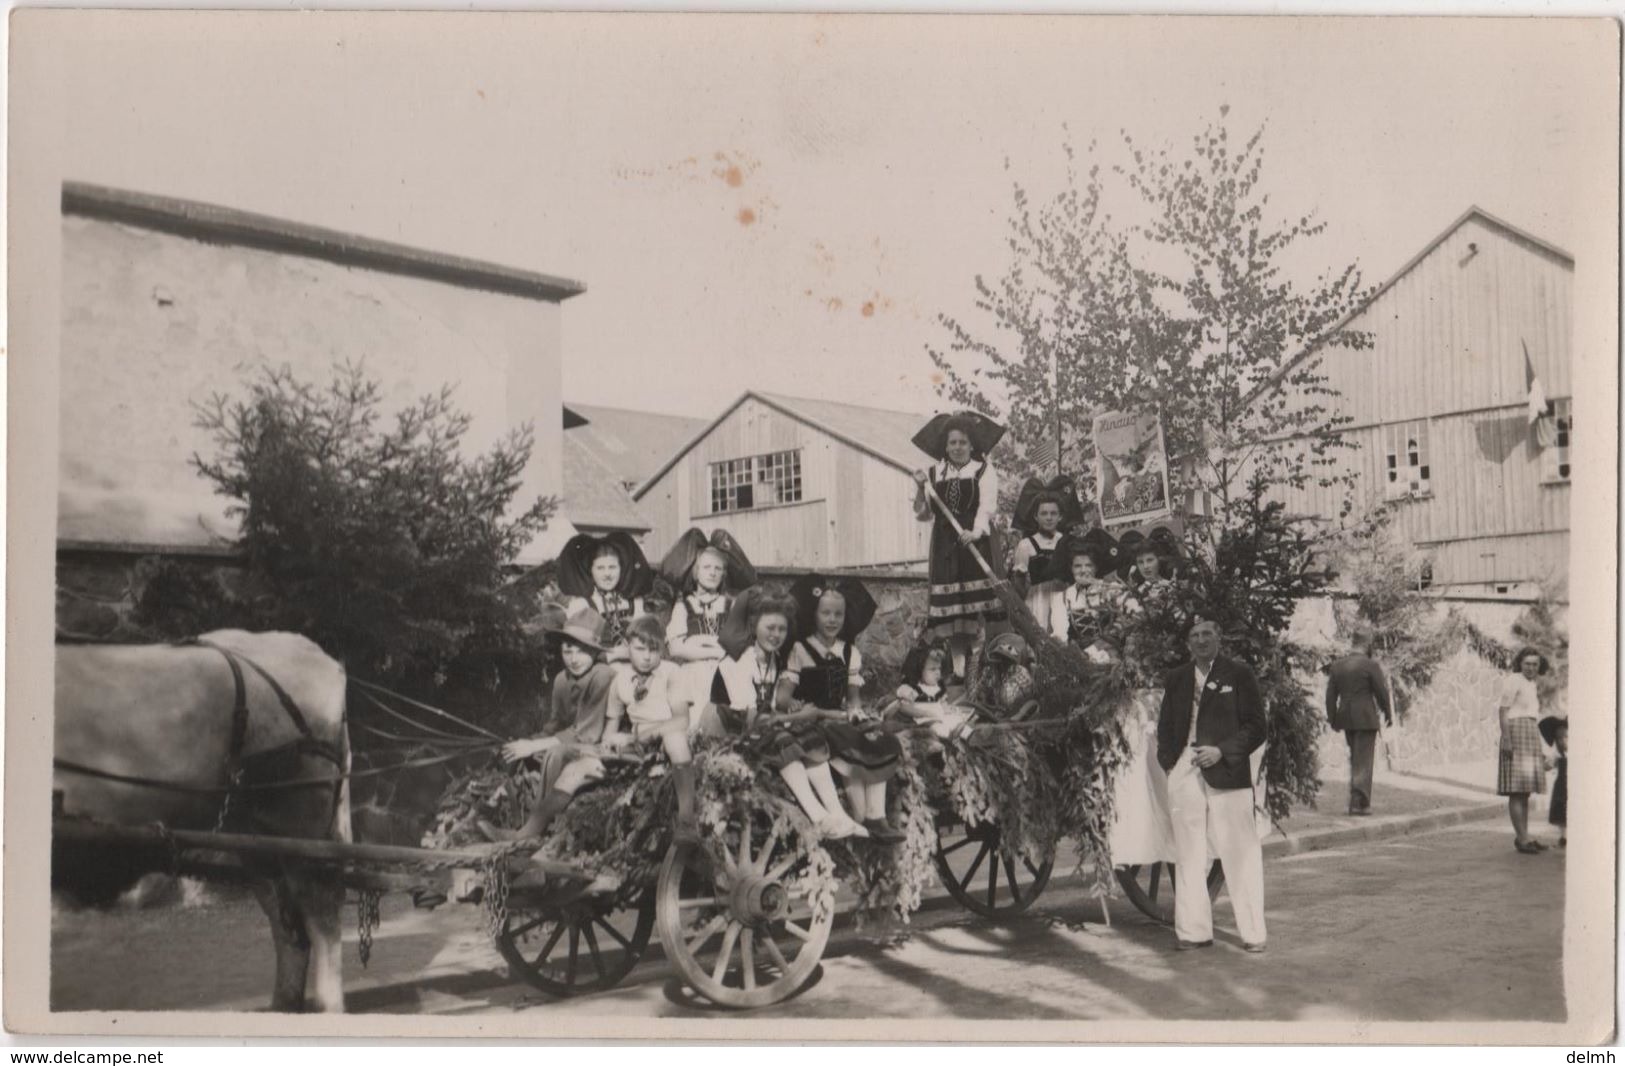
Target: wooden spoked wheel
(1151, 887)
(981, 877)
(745, 917)
(584, 945)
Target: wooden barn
(800, 483)
(1440, 405)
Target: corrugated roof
(1523, 236)
(594, 497)
(885, 434)
(632, 443)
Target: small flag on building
(1540, 409)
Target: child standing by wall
(826, 671)
(610, 575)
(1555, 731)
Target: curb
(1379, 829)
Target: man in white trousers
(1211, 721)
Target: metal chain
(225, 804)
(495, 872)
(367, 919)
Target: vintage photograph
(814, 527)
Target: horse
(234, 731)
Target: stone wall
(96, 591)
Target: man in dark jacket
(1356, 691)
(1211, 722)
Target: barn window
(759, 481)
(1406, 467)
(1556, 457)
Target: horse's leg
(321, 898)
(292, 947)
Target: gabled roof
(594, 495)
(884, 434)
(1521, 236)
(631, 443)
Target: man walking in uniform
(1355, 691)
(1212, 720)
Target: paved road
(1447, 925)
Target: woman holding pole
(963, 601)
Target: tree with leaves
(376, 536)
(1191, 313)
(1383, 575)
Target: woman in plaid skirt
(1522, 764)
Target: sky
(788, 203)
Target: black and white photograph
(813, 527)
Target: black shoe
(882, 833)
(1527, 847)
(427, 899)
(1359, 812)
(1254, 949)
(1192, 945)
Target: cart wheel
(586, 945)
(742, 918)
(1012, 884)
(1145, 888)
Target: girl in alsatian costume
(1085, 612)
(826, 671)
(962, 601)
(746, 692)
(924, 696)
(706, 574)
(1044, 512)
(610, 575)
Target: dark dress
(776, 745)
(824, 686)
(617, 612)
(962, 597)
(1560, 794)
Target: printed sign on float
(1132, 467)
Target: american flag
(1043, 454)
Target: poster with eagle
(1133, 468)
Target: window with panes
(757, 481)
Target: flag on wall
(1540, 409)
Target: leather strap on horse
(307, 743)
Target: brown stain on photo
(868, 309)
(834, 303)
(747, 217)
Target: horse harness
(247, 772)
